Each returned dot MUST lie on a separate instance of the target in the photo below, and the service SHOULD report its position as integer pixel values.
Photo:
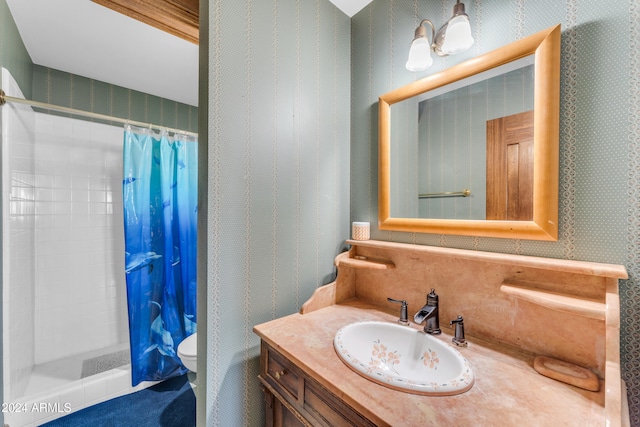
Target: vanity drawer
(283, 373)
(328, 409)
(298, 397)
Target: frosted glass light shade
(457, 37)
(419, 55)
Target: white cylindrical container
(360, 231)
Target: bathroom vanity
(515, 308)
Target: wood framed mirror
(541, 218)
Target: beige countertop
(507, 390)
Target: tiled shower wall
(80, 293)
(63, 222)
(18, 308)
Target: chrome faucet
(430, 314)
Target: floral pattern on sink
(430, 359)
(403, 358)
(380, 357)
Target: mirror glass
(439, 144)
(474, 149)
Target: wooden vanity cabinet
(293, 398)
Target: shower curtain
(160, 215)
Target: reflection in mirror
(474, 150)
(439, 146)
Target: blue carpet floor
(171, 403)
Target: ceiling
(89, 40)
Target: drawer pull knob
(280, 374)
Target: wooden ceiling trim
(177, 17)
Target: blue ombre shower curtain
(160, 226)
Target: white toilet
(187, 352)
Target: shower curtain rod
(4, 98)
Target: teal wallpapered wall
(278, 181)
(70, 90)
(600, 136)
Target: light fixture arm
(421, 31)
(458, 8)
(438, 40)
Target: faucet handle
(432, 297)
(458, 336)
(403, 320)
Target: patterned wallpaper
(70, 90)
(277, 172)
(600, 132)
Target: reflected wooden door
(510, 167)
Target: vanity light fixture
(453, 37)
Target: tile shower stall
(65, 326)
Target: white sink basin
(403, 358)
